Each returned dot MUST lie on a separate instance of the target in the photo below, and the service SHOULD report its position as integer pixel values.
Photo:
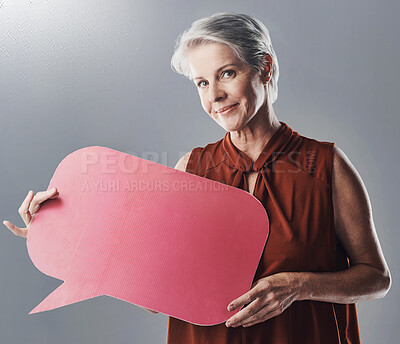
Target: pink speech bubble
(148, 234)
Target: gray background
(79, 73)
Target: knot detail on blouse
(243, 164)
(272, 150)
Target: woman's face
(231, 92)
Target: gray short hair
(247, 37)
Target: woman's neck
(252, 139)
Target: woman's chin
(230, 126)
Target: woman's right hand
(29, 207)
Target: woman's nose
(215, 92)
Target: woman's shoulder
(311, 148)
(312, 155)
(326, 151)
(208, 154)
(314, 143)
(183, 161)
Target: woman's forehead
(209, 58)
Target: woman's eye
(202, 83)
(228, 73)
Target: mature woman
(323, 254)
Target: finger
(263, 312)
(24, 208)
(23, 232)
(251, 310)
(54, 193)
(265, 317)
(244, 299)
(40, 197)
(255, 317)
(256, 283)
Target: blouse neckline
(271, 151)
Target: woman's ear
(266, 74)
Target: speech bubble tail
(64, 295)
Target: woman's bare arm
(368, 276)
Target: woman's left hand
(268, 297)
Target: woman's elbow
(385, 281)
(378, 281)
(388, 281)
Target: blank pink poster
(148, 234)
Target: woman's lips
(226, 109)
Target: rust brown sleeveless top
(294, 184)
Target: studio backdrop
(97, 73)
